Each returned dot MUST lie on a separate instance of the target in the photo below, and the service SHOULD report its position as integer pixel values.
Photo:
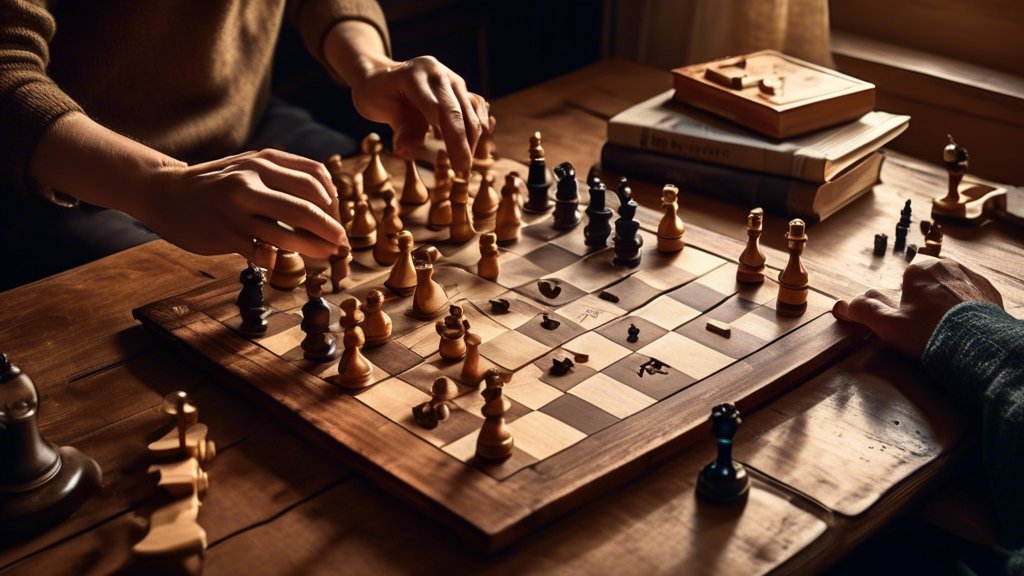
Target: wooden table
(847, 451)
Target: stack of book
(811, 175)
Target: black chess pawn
(500, 306)
(881, 242)
(599, 217)
(902, 227)
(318, 345)
(40, 484)
(724, 481)
(250, 302)
(537, 183)
(549, 323)
(561, 367)
(627, 239)
(567, 198)
(633, 334)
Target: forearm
(355, 50)
(83, 159)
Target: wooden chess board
(576, 436)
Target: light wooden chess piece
(509, 219)
(956, 160)
(472, 372)
(377, 326)
(174, 532)
(319, 345)
(436, 410)
(670, 229)
(440, 214)
(486, 149)
(932, 238)
(485, 205)
(414, 192)
(793, 286)
(347, 198)
(452, 331)
(354, 371)
(376, 179)
(386, 250)
(264, 255)
(339, 267)
(402, 280)
(429, 298)
(289, 271)
(188, 438)
(488, 268)
(495, 442)
(362, 230)
(461, 230)
(752, 260)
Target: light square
(281, 343)
(512, 350)
(612, 396)
(423, 340)
(541, 436)
(591, 311)
(526, 388)
(593, 272)
(464, 448)
(667, 312)
(689, 357)
(721, 280)
(602, 351)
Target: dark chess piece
(250, 302)
(724, 481)
(902, 227)
(549, 289)
(633, 334)
(548, 324)
(881, 243)
(318, 345)
(627, 231)
(567, 198)
(537, 183)
(598, 217)
(499, 306)
(561, 367)
(40, 484)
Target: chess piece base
(452, 349)
(669, 245)
(482, 165)
(25, 513)
(749, 274)
(426, 314)
(790, 310)
(505, 241)
(257, 326)
(402, 291)
(712, 487)
(970, 207)
(287, 281)
(363, 242)
(495, 452)
(324, 351)
(631, 262)
(379, 341)
(358, 382)
(538, 200)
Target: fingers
(298, 214)
(453, 122)
(874, 313)
(311, 167)
(298, 240)
(290, 181)
(890, 298)
(474, 123)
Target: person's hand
(931, 287)
(219, 207)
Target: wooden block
(181, 478)
(196, 444)
(720, 328)
(173, 530)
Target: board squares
(567, 292)
(566, 330)
(579, 414)
(667, 312)
(612, 396)
(602, 351)
(629, 371)
(541, 435)
(512, 350)
(618, 332)
(688, 356)
(591, 311)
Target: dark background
(492, 44)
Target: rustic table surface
(832, 460)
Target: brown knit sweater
(189, 78)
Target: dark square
(618, 332)
(392, 357)
(542, 230)
(401, 322)
(632, 293)
(551, 257)
(737, 345)
(277, 322)
(578, 373)
(579, 414)
(732, 309)
(657, 386)
(459, 424)
(505, 468)
(697, 296)
(568, 293)
(567, 330)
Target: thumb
(875, 314)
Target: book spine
(773, 193)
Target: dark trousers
(38, 239)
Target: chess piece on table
(902, 228)
(549, 288)
(414, 192)
(598, 216)
(347, 198)
(486, 149)
(793, 287)
(495, 442)
(339, 267)
(362, 230)
(289, 271)
(487, 268)
(402, 280)
(561, 366)
(956, 159)
(376, 179)
(881, 243)
(377, 326)
(319, 345)
(537, 183)
(436, 410)
(500, 306)
(932, 238)
(485, 205)
(633, 334)
(429, 298)
(509, 219)
(670, 229)
(966, 203)
(752, 260)
(40, 484)
(251, 304)
(627, 238)
(452, 330)
(440, 214)
(549, 323)
(188, 438)
(354, 371)
(386, 250)
(567, 198)
(461, 230)
(911, 252)
(472, 373)
(724, 481)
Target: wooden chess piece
(347, 198)
(487, 268)
(40, 484)
(377, 326)
(251, 304)
(414, 192)
(386, 250)
(724, 480)
(509, 219)
(376, 179)
(174, 534)
(189, 437)
(965, 203)
(354, 371)
(495, 442)
(670, 229)
(402, 280)
(436, 410)
(599, 217)
(289, 271)
(452, 330)
(362, 230)
(627, 240)
(956, 159)
(429, 298)
(319, 345)
(903, 228)
(461, 229)
(486, 149)
(339, 267)
(264, 255)
(932, 238)
(537, 183)
(472, 372)
(567, 198)
(793, 286)
(485, 205)
(440, 214)
(752, 260)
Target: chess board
(577, 435)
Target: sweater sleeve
(29, 100)
(977, 354)
(315, 18)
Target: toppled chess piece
(452, 331)
(549, 289)
(567, 198)
(598, 217)
(500, 306)
(670, 229)
(436, 410)
(932, 238)
(251, 304)
(881, 243)
(548, 323)
(495, 442)
(561, 367)
(902, 228)
(652, 367)
(793, 281)
(633, 334)
(40, 484)
(724, 481)
(752, 260)
(537, 183)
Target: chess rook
(752, 260)
(567, 198)
(537, 183)
(598, 227)
(670, 229)
(881, 243)
(724, 481)
(793, 286)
